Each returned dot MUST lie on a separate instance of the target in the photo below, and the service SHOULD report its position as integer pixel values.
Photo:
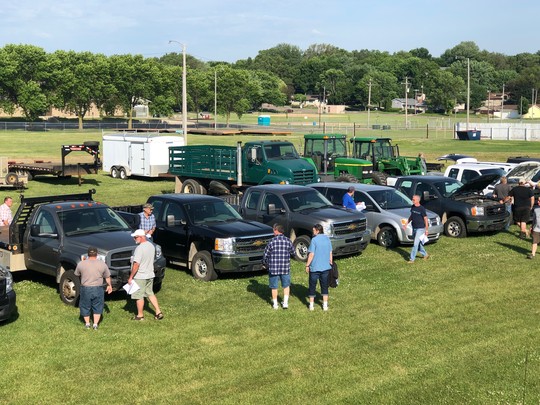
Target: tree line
(34, 80)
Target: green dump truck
(220, 169)
(329, 154)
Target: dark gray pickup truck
(462, 207)
(298, 208)
(51, 235)
(7, 295)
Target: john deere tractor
(385, 158)
(328, 153)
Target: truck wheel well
(64, 266)
(446, 215)
(295, 233)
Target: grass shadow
(517, 249)
(298, 291)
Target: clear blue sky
(230, 30)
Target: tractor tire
(380, 178)
(347, 178)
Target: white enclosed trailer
(131, 154)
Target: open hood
(477, 185)
(525, 170)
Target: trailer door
(138, 162)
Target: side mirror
(370, 207)
(34, 230)
(170, 220)
(253, 154)
(427, 197)
(272, 210)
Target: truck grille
(120, 260)
(349, 227)
(2, 287)
(253, 244)
(303, 176)
(498, 209)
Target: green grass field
(462, 328)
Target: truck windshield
(211, 211)
(90, 220)
(390, 199)
(280, 151)
(306, 200)
(448, 187)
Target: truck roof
(280, 188)
(426, 179)
(325, 136)
(183, 198)
(369, 139)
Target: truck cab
(298, 208)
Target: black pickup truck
(298, 208)
(51, 234)
(205, 234)
(7, 295)
(462, 207)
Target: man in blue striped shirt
(277, 259)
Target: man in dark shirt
(419, 220)
(277, 258)
(501, 193)
(523, 204)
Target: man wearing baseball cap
(148, 220)
(142, 273)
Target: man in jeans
(420, 222)
(277, 258)
(92, 272)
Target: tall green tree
(25, 80)
(235, 90)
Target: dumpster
(264, 120)
(386, 127)
(469, 135)
(375, 127)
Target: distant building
(418, 105)
(534, 112)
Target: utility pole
(502, 104)
(184, 91)
(215, 99)
(406, 102)
(369, 102)
(468, 90)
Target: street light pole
(184, 90)
(215, 99)
(468, 89)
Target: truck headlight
(328, 229)
(103, 258)
(477, 211)
(224, 245)
(158, 251)
(9, 282)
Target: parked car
(462, 207)
(387, 210)
(7, 294)
(465, 172)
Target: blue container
(264, 120)
(470, 135)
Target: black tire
(454, 227)
(191, 186)
(301, 245)
(69, 288)
(122, 174)
(387, 237)
(217, 187)
(114, 172)
(202, 267)
(380, 178)
(12, 178)
(347, 178)
(158, 283)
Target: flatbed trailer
(61, 169)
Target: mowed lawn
(462, 328)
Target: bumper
(8, 305)
(487, 225)
(350, 244)
(237, 263)
(120, 277)
(435, 232)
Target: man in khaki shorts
(142, 273)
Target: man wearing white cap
(142, 273)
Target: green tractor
(386, 159)
(329, 154)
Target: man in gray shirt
(142, 273)
(501, 193)
(92, 272)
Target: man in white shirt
(5, 212)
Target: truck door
(172, 237)
(43, 252)
(137, 163)
(433, 200)
(269, 218)
(253, 165)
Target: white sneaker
(275, 306)
(325, 307)
(311, 308)
(285, 305)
